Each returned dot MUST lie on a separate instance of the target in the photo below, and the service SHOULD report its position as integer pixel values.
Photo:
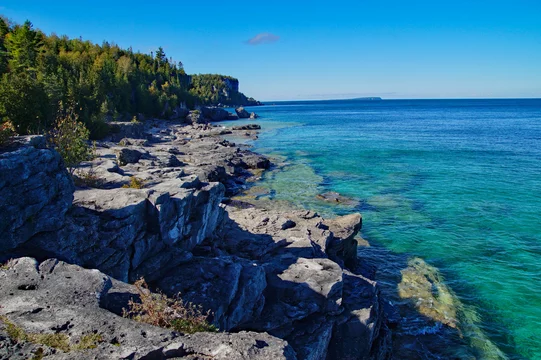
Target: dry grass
(90, 341)
(87, 178)
(171, 313)
(7, 265)
(135, 183)
(7, 130)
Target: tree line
(42, 76)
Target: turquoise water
(456, 183)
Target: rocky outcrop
(284, 282)
(242, 113)
(71, 305)
(253, 115)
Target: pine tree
(24, 45)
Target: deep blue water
(456, 183)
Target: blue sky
(314, 49)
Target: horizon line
(367, 98)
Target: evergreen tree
(23, 45)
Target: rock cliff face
(281, 284)
(36, 191)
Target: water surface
(456, 183)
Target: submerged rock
(423, 284)
(247, 127)
(336, 198)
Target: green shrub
(70, 138)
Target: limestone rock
(35, 191)
(297, 288)
(57, 298)
(232, 289)
(242, 113)
(128, 156)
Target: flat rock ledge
(278, 284)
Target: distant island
(373, 98)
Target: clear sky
(323, 49)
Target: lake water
(448, 189)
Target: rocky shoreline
(154, 204)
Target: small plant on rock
(7, 265)
(7, 130)
(88, 178)
(70, 138)
(171, 313)
(135, 183)
(90, 341)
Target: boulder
(242, 113)
(253, 115)
(134, 142)
(180, 112)
(169, 160)
(128, 156)
(214, 113)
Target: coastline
(195, 155)
(294, 272)
(426, 316)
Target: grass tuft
(171, 313)
(90, 341)
(135, 183)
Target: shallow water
(456, 183)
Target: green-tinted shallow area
(454, 182)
